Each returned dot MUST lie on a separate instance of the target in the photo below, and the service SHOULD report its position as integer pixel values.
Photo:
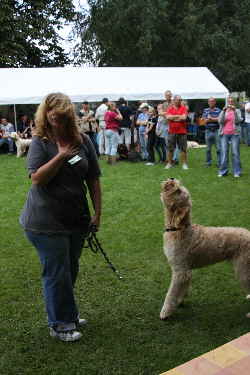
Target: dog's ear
(181, 215)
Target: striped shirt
(211, 112)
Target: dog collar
(171, 229)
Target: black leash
(95, 246)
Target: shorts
(179, 140)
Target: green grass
(124, 334)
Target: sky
(64, 33)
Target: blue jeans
(244, 133)
(161, 148)
(111, 142)
(248, 132)
(234, 140)
(9, 141)
(212, 138)
(59, 255)
(143, 142)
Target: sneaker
(65, 335)
(149, 163)
(236, 175)
(220, 175)
(168, 166)
(82, 322)
(184, 166)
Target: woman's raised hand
(67, 150)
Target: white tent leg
(15, 125)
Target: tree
(212, 33)
(29, 32)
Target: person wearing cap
(99, 115)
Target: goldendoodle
(189, 246)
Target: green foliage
(212, 33)
(124, 334)
(29, 32)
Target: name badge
(74, 160)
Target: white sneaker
(168, 166)
(149, 163)
(220, 175)
(184, 166)
(82, 322)
(236, 175)
(65, 335)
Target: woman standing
(229, 121)
(88, 124)
(142, 121)
(151, 136)
(161, 132)
(56, 215)
(112, 119)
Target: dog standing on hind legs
(188, 246)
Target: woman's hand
(66, 150)
(95, 220)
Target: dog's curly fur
(188, 246)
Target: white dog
(22, 144)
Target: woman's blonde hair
(65, 110)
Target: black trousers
(150, 148)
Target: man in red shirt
(177, 133)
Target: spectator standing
(151, 136)
(22, 124)
(112, 119)
(210, 116)
(247, 121)
(243, 126)
(88, 124)
(125, 124)
(230, 120)
(161, 132)
(177, 133)
(142, 121)
(6, 129)
(99, 115)
(168, 100)
(62, 164)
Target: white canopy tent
(30, 85)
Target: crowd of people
(155, 133)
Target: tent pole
(15, 118)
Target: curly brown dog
(188, 246)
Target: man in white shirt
(99, 115)
(6, 128)
(247, 121)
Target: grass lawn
(124, 334)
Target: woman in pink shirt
(112, 119)
(230, 120)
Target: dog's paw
(165, 314)
(248, 296)
(248, 315)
